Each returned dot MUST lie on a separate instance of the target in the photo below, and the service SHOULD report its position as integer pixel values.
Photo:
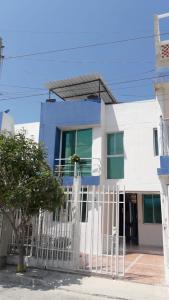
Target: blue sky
(29, 26)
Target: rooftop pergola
(81, 87)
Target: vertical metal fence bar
(62, 236)
(52, 239)
(38, 235)
(66, 226)
(108, 219)
(86, 227)
(117, 231)
(112, 245)
(98, 231)
(92, 227)
(82, 199)
(57, 236)
(102, 231)
(48, 239)
(70, 223)
(124, 235)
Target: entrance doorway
(131, 219)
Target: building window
(77, 142)
(115, 156)
(152, 209)
(155, 142)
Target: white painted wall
(137, 120)
(96, 151)
(162, 92)
(31, 130)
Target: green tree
(27, 185)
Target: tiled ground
(144, 268)
(141, 265)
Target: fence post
(117, 231)
(76, 221)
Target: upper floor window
(78, 142)
(115, 156)
(155, 142)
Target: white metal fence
(83, 235)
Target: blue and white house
(118, 144)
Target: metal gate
(82, 235)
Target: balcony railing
(86, 167)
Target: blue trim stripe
(87, 180)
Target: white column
(165, 225)
(103, 144)
(161, 137)
(167, 235)
(76, 220)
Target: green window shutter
(115, 167)
(157, 208)
(84, 149)
(68, 143)
(119, 143)
(111, 144)
(115, 143)
(84, 143)
(148, 209)
(152, 209)
(115, 160)
(68, 149)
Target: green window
(115, 156)
(77, 142)
(68, 143)
(152, 209)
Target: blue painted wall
(164, 166)
(85, 180)
(60, 115)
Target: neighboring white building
(31, 130)
(6, 122)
